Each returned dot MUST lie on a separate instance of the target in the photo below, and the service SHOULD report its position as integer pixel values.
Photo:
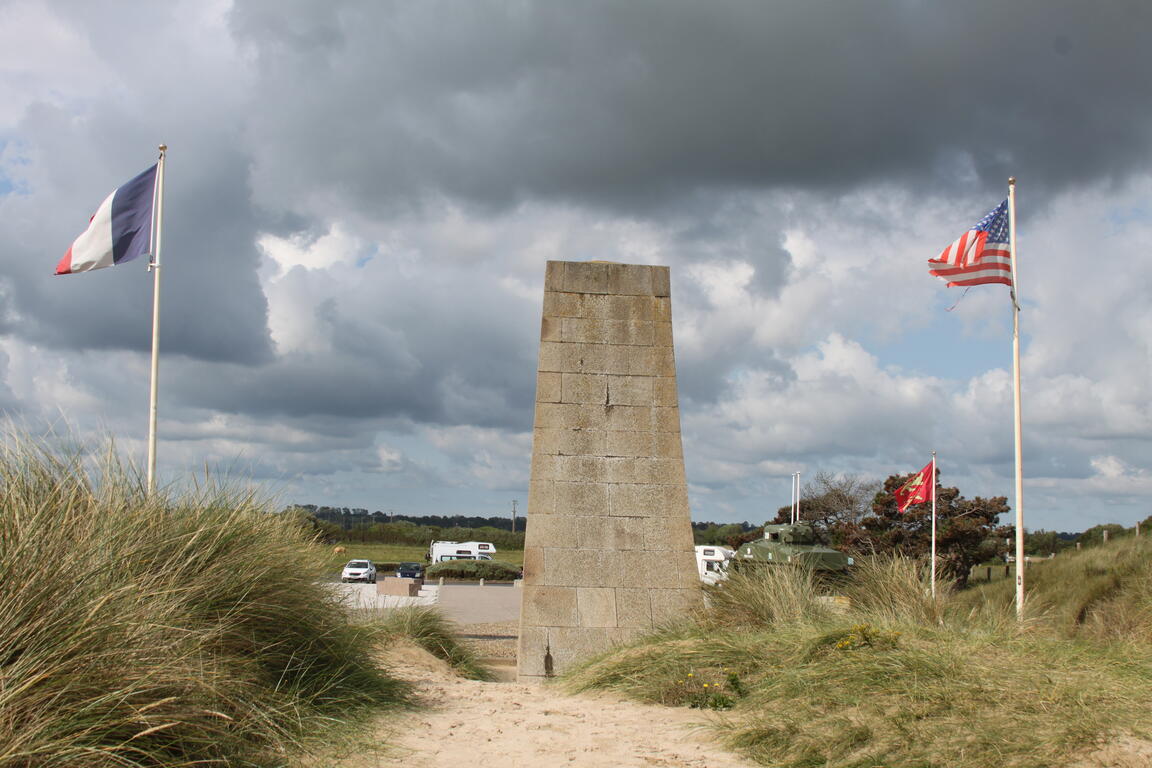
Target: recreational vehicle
(712, 563)
(441, 551)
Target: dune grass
(172, 630)
(896, 678)
(1102, 592)
(430, 630)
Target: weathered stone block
(630, 444)
(631, 390)
(548, 387)
(668, 604)
(658, 535)
(629, 418)
(666, 419)
(545, 606)
(583, 469)
(581, 498)
(398, 587)
(662, 472)
(631, 360)
(633, 607)
(662, 334)
(554, 277)
(541, 497)
(628, 279)
(661, 281)
(531, 649)
(664, 391)
(533, 559)
(667, 445)
(569, 416)
(551, 329)
(586, 277)
(635, 500)
(557, 304)
(557, 528)
(630, 469)
(584, 388)
(611, 533)
(580, 442)
(571, 644)
(660, 310)
(597, 606)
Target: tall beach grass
(895, 677)
(172, 630)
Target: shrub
(472, 570)
(161, 630)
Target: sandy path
(468, 723)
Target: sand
(467, 723)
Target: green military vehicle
(793, 544)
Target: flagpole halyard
(1016, 402)
(154, 267)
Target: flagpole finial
(163, 147)
(1011, 180)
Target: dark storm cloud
(636, 102)
(389, 346)
(213, 307)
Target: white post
(1016, 392)
(792, 499)
(797, 499)
(932, 479)
(154, 266)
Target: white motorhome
(712, 563)
(461, 550)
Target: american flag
(979, 256)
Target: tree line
(332, 524)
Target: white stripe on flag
(93, 249)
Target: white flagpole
(154, 266)
(932, 479)
(1016, 392)
(797, 520)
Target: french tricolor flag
(120, 230)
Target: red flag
(917, 490)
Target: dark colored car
(410, 570)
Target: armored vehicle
(793, 544)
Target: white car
(359, 570)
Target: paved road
(473, 604)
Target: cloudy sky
(361, 197)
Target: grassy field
(901, 681)
(392, 553)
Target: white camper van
(461, 550)
(712, 563)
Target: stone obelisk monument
(608, 544)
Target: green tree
(966, 529)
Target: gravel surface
(492, 640)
